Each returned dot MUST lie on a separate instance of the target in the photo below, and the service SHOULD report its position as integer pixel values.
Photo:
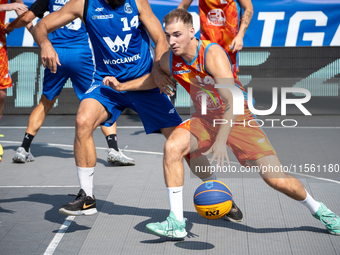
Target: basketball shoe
(82, 205)
(329, 219)
(117, 158)
(235, 214)
(171, 227)
(22, 156)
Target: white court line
(57, 238)
(71, 146)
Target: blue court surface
(130, 197)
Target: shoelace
(78, 196)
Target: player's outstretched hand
(112, 82)
(49, 58)
(16, 7)
(162, 80)
(219, 151)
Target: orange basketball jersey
(2, 26)
(219, 20)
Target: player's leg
(35, 121)
(91, 114)
(5, 82)
(290, 186)
(176, 147)
(115, 155)
(93, 111)
(52, 85)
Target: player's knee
(279, 184)
(83, 125)
(2, 95)
(173, 149)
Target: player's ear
(192, 32)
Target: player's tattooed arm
(185, 4)
(237, 43)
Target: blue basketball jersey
(121, 45)
(73, 35)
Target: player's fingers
(43, 62)
(227, 158)
(57, 60)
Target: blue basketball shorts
(76, 64)
(155, 110)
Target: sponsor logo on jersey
(121, 60)
(216, 17)
(128, 8)
(172, 111)
(179, 64)
(110, 16)
(261, 140)
(63, 2)
(199, 67)
(99, 9)
(118, 44)
(182, 71)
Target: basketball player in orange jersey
(208, 63)
(221, 22)
(5, 77)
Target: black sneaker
(234, 215)
(82, 205)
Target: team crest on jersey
(128, 8)
(212, 103)
(118, 44)
(224, 1)
(216, 17)
(199, 67)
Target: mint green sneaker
(329, 219)
(171, 227)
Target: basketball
(213, 199)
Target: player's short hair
(178, 15)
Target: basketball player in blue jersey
(119, 32)
(72, 44)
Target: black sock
(112, 141)
(26, 143)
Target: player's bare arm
(237, 43)
(185, 4)
(69, 12)
(16, 6)
(218, 65)
(155, 30)
(22, 20)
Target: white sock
(310, 203)
(85, 177)
(210, 178)
(176, 201)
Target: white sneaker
(117, 158)
(21, 156)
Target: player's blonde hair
(178, 15)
